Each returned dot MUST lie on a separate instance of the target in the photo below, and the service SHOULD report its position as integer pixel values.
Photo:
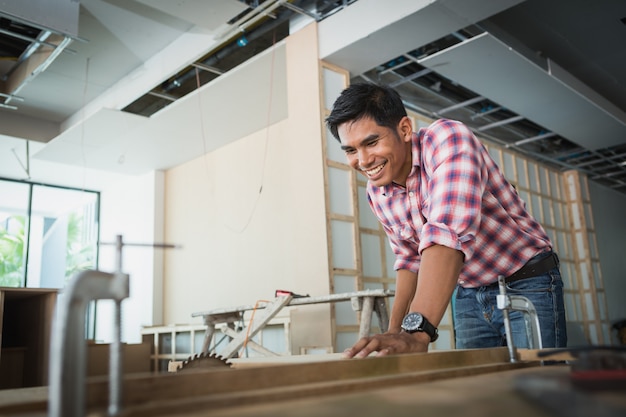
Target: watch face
(412, 322)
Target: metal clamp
(68, 356)
(508, 303)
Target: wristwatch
(415, 322)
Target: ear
(405, 129)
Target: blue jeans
(478, 323)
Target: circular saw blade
(204, 361)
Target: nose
(364, 158)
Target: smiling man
(454, 223)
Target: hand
(394, 330)
(389, 344)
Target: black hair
(382, 103)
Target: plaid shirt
(456, 196)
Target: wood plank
(319, 299)
(533, 355)
(215, 388)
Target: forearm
(440, 267)
(406, 283)
(427, 292)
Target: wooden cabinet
(25, 326)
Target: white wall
(133, 208)
(609, 208)
(250, 216)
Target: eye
(372, 143)
(350, 151)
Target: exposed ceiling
(547, 78)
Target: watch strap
(430, 330)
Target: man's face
(381, 154)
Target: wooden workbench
(481, 382)
(485, 395)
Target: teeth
(375, 170)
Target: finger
(348, 353)
(351, 352)
(372, 346)
(383, 352)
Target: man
(453, 222)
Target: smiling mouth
(372, 172)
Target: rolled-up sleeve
(404, 244)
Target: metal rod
(12, 97)
(501, 122)
(486, 113)
(153, 245)
(37, 41)
(167, 97)
(460, 105)
(532, 139)
(115, 363)
(300, 10)
(507, 321)
(115, 350)
(207, 68)
(411, 77)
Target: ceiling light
(243, 41)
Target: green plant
(79, 255)
(12, 252)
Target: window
(47, 234)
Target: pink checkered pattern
(456, 196)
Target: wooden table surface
(459, 383)
(486, 395)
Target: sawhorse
(367, 301)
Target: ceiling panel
(231, 107)
(197, 12)
(494, 70)
(380, 29)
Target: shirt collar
(390, 189)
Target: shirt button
(411, 193)
(461, 282)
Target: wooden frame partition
(360, 256)
(587, 298)
(560, 202)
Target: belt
(538, 265)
